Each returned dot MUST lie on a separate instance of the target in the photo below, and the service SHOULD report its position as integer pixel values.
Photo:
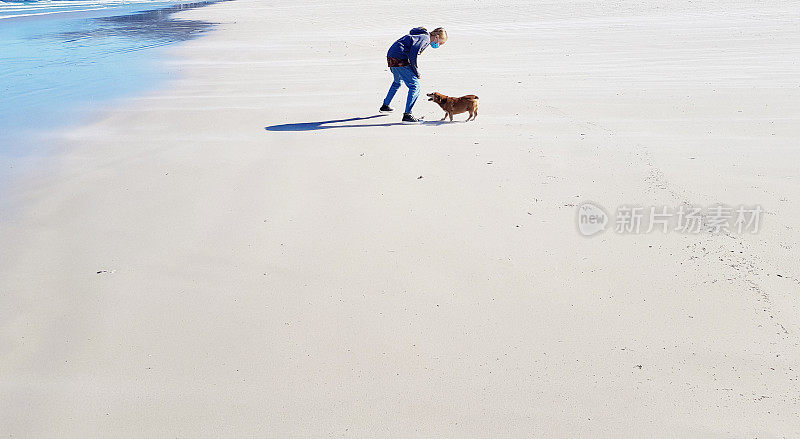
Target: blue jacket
(410, 46)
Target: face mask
(434, 44)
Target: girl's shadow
(337, 123)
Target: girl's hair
(441, 33)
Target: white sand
(308, 284)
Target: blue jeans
(407, 76)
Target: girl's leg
(412, 82)
(394, 87)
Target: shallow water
(57, 68)
(27, 8)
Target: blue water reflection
(55, 68)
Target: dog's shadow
(341, 123)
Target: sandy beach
(252, 250)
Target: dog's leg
(451, 116)
(443, 117)
(469, 118)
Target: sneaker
(386, 109)
(408, 118)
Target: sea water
(62, 59)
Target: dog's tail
(471, 97)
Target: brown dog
(453, 106)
